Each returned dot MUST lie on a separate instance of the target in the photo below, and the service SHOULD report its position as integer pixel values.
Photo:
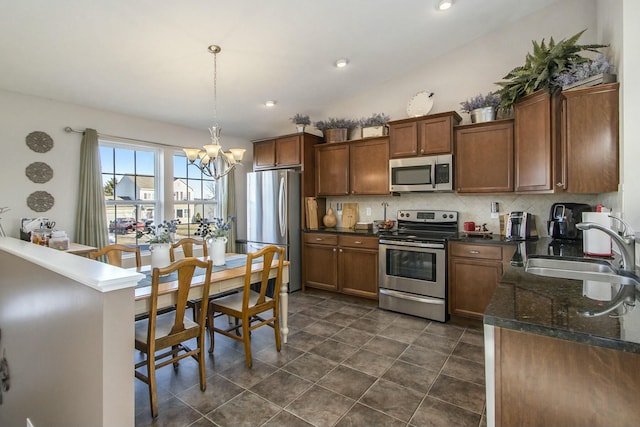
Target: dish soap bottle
(339, 216)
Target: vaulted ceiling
(149, 58)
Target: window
(130, 178)
(194, 196)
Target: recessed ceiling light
(341, 63)
(445, 4)
(270, 103)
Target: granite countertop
(336, 230)
(548, 306)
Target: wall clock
(420, 104)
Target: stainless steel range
(413, 263)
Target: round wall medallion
(39, 172)
(40, 201)
(40, 142)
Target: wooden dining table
(223, 279)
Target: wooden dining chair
(247, 306)
(170, 330)
(187, 245)
(113, 254)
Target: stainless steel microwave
(426, 173)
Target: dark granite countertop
(335, 230)
(548, 306)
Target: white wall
(21, 115)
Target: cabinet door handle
(340, 250)
(474, 252)
(334, 249)
(319, 239)
(357, 242)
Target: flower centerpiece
(215, 232)
(300, 120)
(161, 233)
(160, 238)
(335, 129)
(481, 108)
(374, 125)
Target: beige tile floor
(347, 363)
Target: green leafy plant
(481, 101)
(218, 227)
(335, 123)
(300, 119)
(546, 61)
(161, 233)
(376, 119)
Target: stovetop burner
(423, 226)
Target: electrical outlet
(368, 209)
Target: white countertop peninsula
(67, 326)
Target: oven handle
(403, 295)
(411, 244)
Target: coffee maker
(521, 226)
(563, 219)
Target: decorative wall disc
(40, 201)
(40, 142)
(39, 172)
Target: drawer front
(476, 251)
(321, 238)
(358, 242)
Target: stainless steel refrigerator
(273, 216)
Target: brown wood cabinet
(536, 141)
(359, 167)
(484, 157)
(342, 263)
(423, 136)
(540, 380)
(568, 141)
(474, 272)
(590, 140)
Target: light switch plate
(495, 215)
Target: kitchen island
(546, 364)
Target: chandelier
(213, 161)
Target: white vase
(217, 249)
(160, 255)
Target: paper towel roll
(599, 291)
(596, 242)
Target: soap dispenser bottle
(339, 215)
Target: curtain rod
(69, 129)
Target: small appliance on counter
(521, 226)
(563, 218)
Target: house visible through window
(194, 196)
(129, 177)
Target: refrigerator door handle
(282, 206)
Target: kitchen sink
(577, 269)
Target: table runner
(231, 261)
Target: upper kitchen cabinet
(286, 151)
(590, 140)
(422, 136)
(567, 142)
(484, 157)
(359, 167)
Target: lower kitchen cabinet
(546, 381)
(342, 263)
(474, 272)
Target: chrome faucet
(626, 243)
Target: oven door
(418, 268)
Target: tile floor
(347, 363)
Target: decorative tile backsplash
(474, 208)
